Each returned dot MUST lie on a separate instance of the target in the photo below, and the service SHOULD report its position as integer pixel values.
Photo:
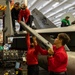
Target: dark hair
(17, 3)
(64, 37)
(31, 41)
(67, 17)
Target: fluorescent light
(55, 12)
(55, 5)
(56, 20)
(48, 10)
(57, 23)
(71, 8)
(60, 15)
(61, 9)
(44, 4)
(69, 5)
(32, 3)
(73, 13)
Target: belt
(58, 72)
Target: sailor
(65, 22)
(14, 14)
(57, 60)
(23, 15)
(32, 57)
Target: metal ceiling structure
(53, 9)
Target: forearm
(42, 51)
(26, 19)
(28, 40)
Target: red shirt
(57, 63)
(42, 51)
(24, 13)
(32, 54)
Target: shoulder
(13, 9)
(21, 10)
(63, 20)
(27, 10)
(62, 51)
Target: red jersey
(57, 63)
(32, 54)
(24, 14)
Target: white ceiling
(54, 13)
(51, 11)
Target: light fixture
(60, 15)
(48, 10)
(55, 5)
(62, 9)
(32, 3)
(67, 6)
(57, 23)
(55, 12)
(73, 13)
(71, 8)
(56, 20)
(46, 3)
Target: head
(16, 5)
(67, 17)
(62, 39)
(23, 6)
(32, 41)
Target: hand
(50, 51)
(28, 32)
(34, 40)
(50, 55)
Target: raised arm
(28, 40)
(41, 50)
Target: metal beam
(38, 36)
(8, 21)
